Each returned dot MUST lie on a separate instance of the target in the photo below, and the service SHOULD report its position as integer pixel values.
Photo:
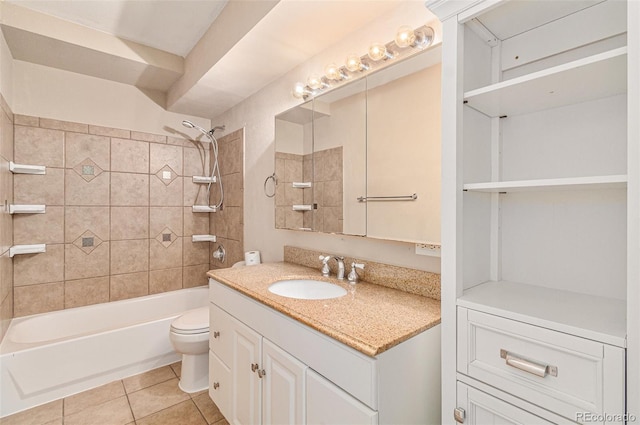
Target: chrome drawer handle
(528, 366)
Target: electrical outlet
(431, 250)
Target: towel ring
(275, 183)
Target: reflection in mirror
(294, 168)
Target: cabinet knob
(254, 367)
(261, 373)
(216, 385)
(459, 414)
(216, 334)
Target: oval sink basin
(307, 289)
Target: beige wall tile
(130, 285)
(6, 136)
(196, 161)
(6, 275)
(194, 253)
(41, 298)
(45, 228)
(163, 217)
(82, 292)
(162, 194)
(129, 223)
(64, 125)
(162, 155)
(47, 189)
(26, 120)
(128, 189)
(194, 223)
(79, 147)
(148, 137)
(80, 219)
(38, 146)
(109, 131)
(129, 156)
(194, 194)
(161, 257)
(231, 154)
(128, 256)
(193, 276)
(80, 192)
(233, 190)
(45, 267)
(165, 280)
(81, 265)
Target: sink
(307, 289)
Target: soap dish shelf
(204, 179)
(27, 249)
(26, 209)
(203, 209)
(26, 169)
(203, 238)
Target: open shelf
(592, 182)
(596, 318)
(590, 78)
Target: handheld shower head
(188, 124)
(209, 134)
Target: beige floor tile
(184, 413)
(94, 397)
(114, 412)
(155, 398)
(221, 422)
(147, 379)
(177, 368)
(208, 408)
(37, 416)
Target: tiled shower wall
(6, 229)
(118, 219)
(228, 224)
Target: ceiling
(203, 56)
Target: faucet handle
(325, 264)
(353, 274)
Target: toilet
(189, 336)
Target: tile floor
(151, 398)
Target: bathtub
(48, 356)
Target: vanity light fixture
(379, 53)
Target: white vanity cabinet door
(482, 409)
(220, 333)
(246, 386)
(329, 405)
(220, 384)
(283, 387)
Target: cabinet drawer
(220, 333)
(220, 384)
(563, 373)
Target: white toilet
(190, 336)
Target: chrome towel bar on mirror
(412, 197)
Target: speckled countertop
(371, 319)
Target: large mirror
(364, 158)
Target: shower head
(209, 133)
(188, 124)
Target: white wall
(257, 113)
(6, 71)
(57, 94)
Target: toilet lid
(192, 321)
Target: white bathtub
(48, 356)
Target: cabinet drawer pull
(216, 385)
(216, 334)
(254, 367)
(529, 366)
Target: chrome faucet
(353, 274)
(325, 265)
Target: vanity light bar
(379, 53)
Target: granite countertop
(370, 319)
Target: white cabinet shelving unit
(540, 204)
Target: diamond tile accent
(87, 169)
(166, 237)
(87, 242)
(166, 175)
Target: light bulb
(299, 91)
(425, 37)
(353, 63)
(333, 72)
(405, 36)
(314, 82)
(378, 51)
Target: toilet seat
(194, 321)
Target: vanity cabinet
(540, 204)
(278, 370)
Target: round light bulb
(314, 82)
(405, 36)
(299, 90)
(333, 72)
(377, 51)
(353, 63)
